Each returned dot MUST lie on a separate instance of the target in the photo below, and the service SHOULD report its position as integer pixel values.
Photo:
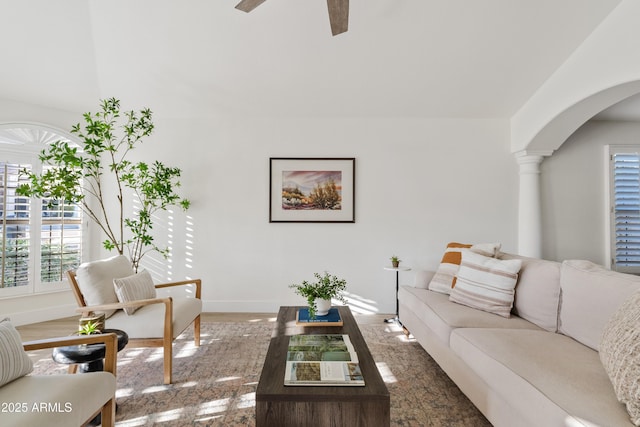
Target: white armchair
(148, 320)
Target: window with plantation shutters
(624, 166)
(39, 239)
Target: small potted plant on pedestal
(320, 293)
(395, 261)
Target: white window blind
(15, 228)
(625, 208)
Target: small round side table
(90, 358)
(397, 270)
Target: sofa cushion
(552, 377)
(590, 294)
(445, 277)
(134, 288)
(486, 283)
(14, 361)
(443, 316)
(620, 354)
(95, 280)
(537, 291)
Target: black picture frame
(312, 189)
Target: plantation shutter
(626, 211)
(15, 228)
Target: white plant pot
(323, 306)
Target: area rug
(214, 384)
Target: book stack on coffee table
(331, 319)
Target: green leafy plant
(325, 287)
(78, 177)
(90, 328)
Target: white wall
(573, 191)
(419, 185)
(604, 70)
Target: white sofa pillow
(590, 294)
(537, 291)
(14, 361)
(95, 280)
(486, 283)
(136, 287)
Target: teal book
(331, 319)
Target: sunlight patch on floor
(214, 407)
(189, 384)
(140, 421)
(247, 400)
(223, 379)
(404, 338)
(124, 392)
(207, 419)
(393, 327)
(156, 355)
(167, 416)
(385, 373)
(155, 389)
(187, 351)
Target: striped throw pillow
(134, 288)
(486, 283)
(14, 361)
(445, 277)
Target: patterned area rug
(214, 385)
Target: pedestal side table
(397, 270)
(88, 357)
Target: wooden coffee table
(278, 405)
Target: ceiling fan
(338, 13)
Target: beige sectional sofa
(541, 366)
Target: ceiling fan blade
(338, 16)
(249, 5)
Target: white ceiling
(400, 58)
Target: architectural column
(529, 203)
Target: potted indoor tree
(320, 293)
(80, 175)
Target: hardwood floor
(66, 326)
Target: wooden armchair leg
(109, 413)
(168, 361)
(72, 369)
(196, 331)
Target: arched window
(39, 240)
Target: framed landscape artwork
(312, 189)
